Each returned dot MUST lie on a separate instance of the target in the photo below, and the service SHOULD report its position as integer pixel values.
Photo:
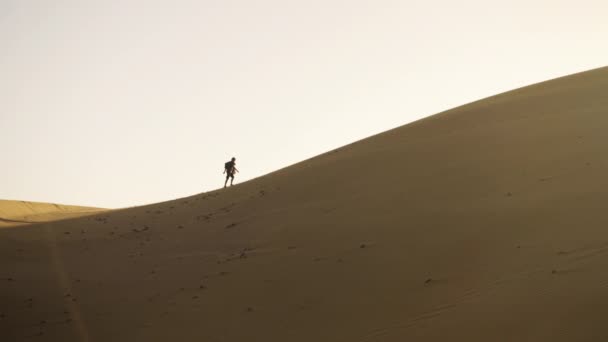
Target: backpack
(228, 165)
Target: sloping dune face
(14, 213)
(484, 223)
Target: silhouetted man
(229, 170)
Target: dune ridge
(482, 223)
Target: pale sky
(117, 103)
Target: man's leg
(226, 182)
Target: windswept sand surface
(484, 223)
(13, 213)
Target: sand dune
(21, 212)
(483, 223)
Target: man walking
(229, 170)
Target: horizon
(105, 111)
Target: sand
(483, 223)
(13, 213)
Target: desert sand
(487, 222)
(13, 213)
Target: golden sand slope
(484, 223)
(21, 212)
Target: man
(229, 170)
